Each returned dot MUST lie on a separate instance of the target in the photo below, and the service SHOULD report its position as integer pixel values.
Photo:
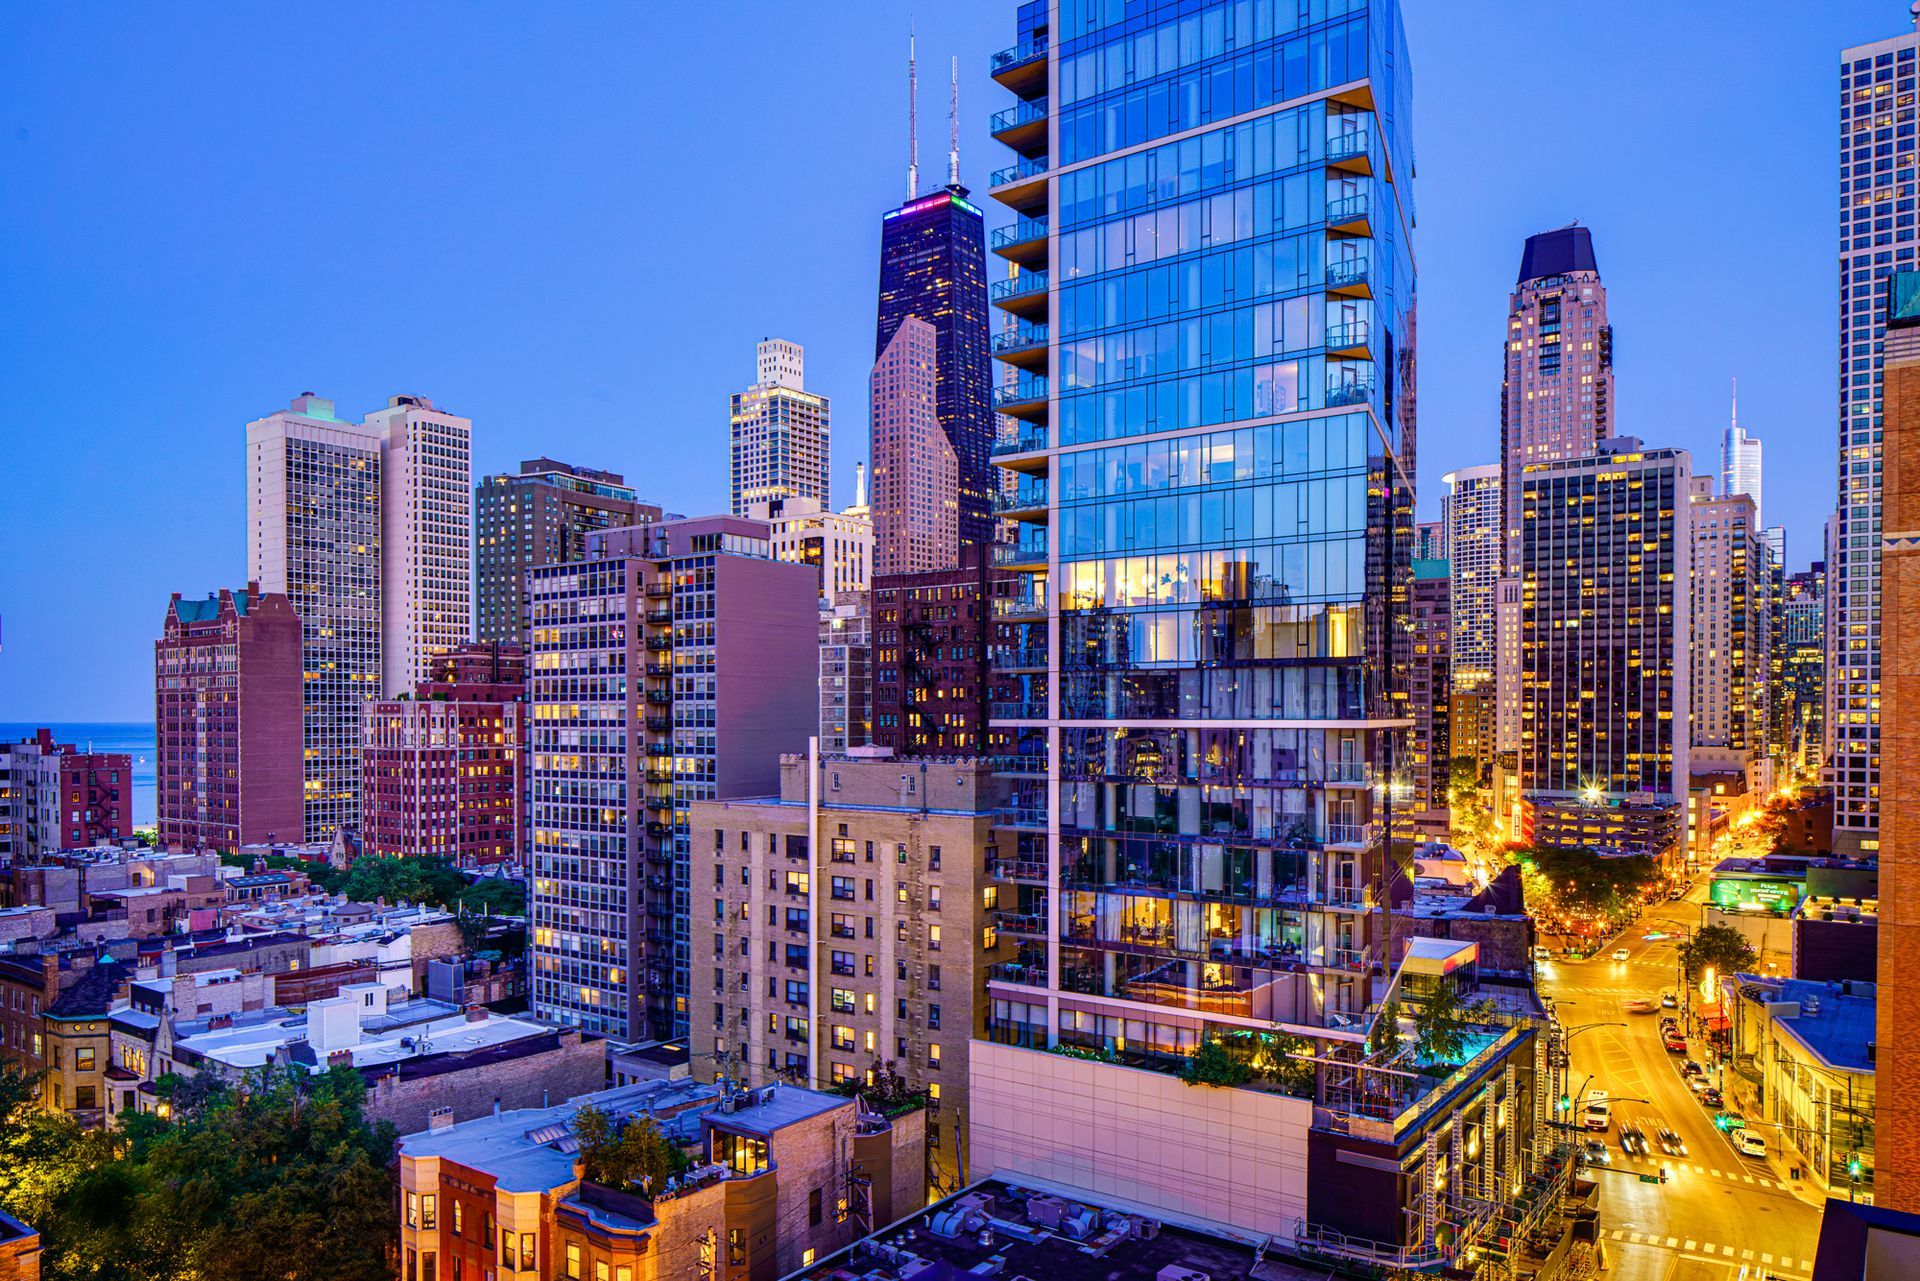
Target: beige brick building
(847, 926)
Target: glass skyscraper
(1877, 236)
(933, 265)
(1209, 301)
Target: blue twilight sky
(572, 222)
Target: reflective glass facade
(1212, 488)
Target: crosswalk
(1731, 1176)
(1784, 1265)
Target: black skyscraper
(933, 265)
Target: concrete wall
(1227, 1157)
(577, 1066)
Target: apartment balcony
(659, 697)
(1015, 609)
(1349, 836)
(659, 830)
(1351, 150)
(1018, 869)
(1353, 340)
(656, 775)
(1023, 242)
(659, 590)
(1021, 186)
(1350, 278)
(1025, 973)
(659, 617)
(659, 670)
(1348, 774)
(1022, 127)
(659, 642)
(1018, 658)
(1022, 69)
(1357, 390)
(1025, 501)
(659, 749)
(1024, 295)
(659, 804)
(1019, 556)
(1028, 818)
(1020, 765)
(659, 724)
(1350, 215)
(1019, 924)
(1024, 346)
(1024, 709)
(1025, 438)
(1025, 398)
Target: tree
(1720, 946)
(1590, 884)
(627, 1156)
(1384, 1036)
(1213, 1064)
(1469, 807)
(1441, 1022)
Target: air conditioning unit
(1180, 1272)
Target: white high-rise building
(1731, 575)
(779, 432)
(1474, 543)
(1876, 164)
(426, 527)
(313, 532)
(1740, 461)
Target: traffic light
(1566, 1101)
(1853, 1167)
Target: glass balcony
(1006, 292)
(1017, 608)
(1350, 149)
(1022, 186)
(1349, 211)
(1025, 397)
(1023, 68)
(1029, 495)
(1350, 391)
(1027, 973)
(1018, 658)
(1349, 773)
(1352, 336)
(1024, 231)
(1017, 869)
(1028, 709)
(1026, 924)
(1018, 555)
(1022, 126)
(1033, 817)
(1021, 170)
(1024, 339)
(1354, 834)
(1024, 439)
(1020, 765)
(1350, 275)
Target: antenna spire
(953, 126)
(913, 120)
(1733, 419)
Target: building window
(573, 1262)
(813, 1208)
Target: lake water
(133, 738)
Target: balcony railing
(1352, 208)
(1019, 171)
(1348, 144)
(1021, 765)
(1031, 923)
(1355, 333)
(1349, 391)
(1010, 657)
(1016, 607)
(1349, 772)
(1020, 113)
(1020, 286)
(1021, 815)
(1026, 709)
(1348, 273)
(1020, 232)
(1019, 338)
(1006, 554)
(1008, 59)
(1027, 973)
(1025, 497)
(1022, 391)
(1349, 833)
(1017, 869)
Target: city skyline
(562, 390)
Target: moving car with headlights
(1620, 954)
(1670, 1143)
(1633, 1140)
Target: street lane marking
(1689, 1245)
(1672, 1241)
(1766, 1258)
(1727, 1250)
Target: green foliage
(1470, 807)
(433, 881)
(1582, 882)
(890, 1093)
(1384, 1036)
(283, 1180)
(630, 1156)
(1214, 1064)
(1441, 1023)
(1721, 946)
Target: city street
(1719, 1215)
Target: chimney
(476, 1014)
(340, 1058)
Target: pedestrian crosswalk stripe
(1766, 1258)
(1727, 1250)
(1746, 1254)
(1671, 1242)
(1689, 1245)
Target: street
(1719, 1215)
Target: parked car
(1750, 1144)
(1675, 1043)
(1711, 1097)
(1620, 954)
(1690, 1068)
(1668, 1001)
(1594, 1152)
(1670, 1143)
(1698, 1084)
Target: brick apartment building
(53, 796)
(444, 771)
(783, 1176)
(227, 721)
(933, 635)
(860, 943)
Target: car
(1598, 1115)
(1711, 1097)
(1698, 1084)
(1637, 1005)
(1674, 1044)
(1543, 953)
(1668, 1021)
(1690, 1068)
(1668, 1001)
(1670, 1143)
(1633, 1140)
(1594, 1152)
(1747, 1143)
(1620, 953)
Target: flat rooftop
(1839, 1033)
(1021, 1228)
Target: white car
(1598, 1115)
(1619, 953)
(1750, 1144)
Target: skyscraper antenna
(953, 126)
(1733, 417)
(913, 120)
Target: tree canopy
(627, 1156)
(1589, 883)
(1721, 946)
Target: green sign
(1739, 893)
